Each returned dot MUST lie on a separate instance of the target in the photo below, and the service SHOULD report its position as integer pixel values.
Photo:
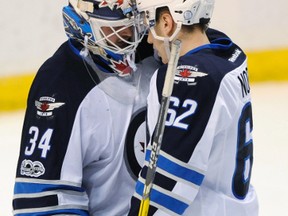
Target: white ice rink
(270, 173)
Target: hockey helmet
(85, 20)
(187, 12)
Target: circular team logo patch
(136, 143)
(32, 168)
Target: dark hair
(190, 28)
(203, 25)
(160, 11)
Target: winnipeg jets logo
(111, 4)
(136, 143)
(46, 105)
(187, 73)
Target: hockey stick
(157, 139)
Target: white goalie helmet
(187, 12)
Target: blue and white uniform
(75, 158)
(206, 157)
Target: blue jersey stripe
(54, 212)
(164, 200)
(24, 187)
(226, 44)
(177, 170)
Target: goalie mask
(187, 12)
(107, 29)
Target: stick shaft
(159, 130)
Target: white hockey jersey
(75, 156)
(205, 162)
(97, 144)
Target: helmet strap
(167, 47)
(84, 52)
(167, 40)
(131, 61)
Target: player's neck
(191, 41)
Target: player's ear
(167, 24)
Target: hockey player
(205, 162)
(82, 103)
